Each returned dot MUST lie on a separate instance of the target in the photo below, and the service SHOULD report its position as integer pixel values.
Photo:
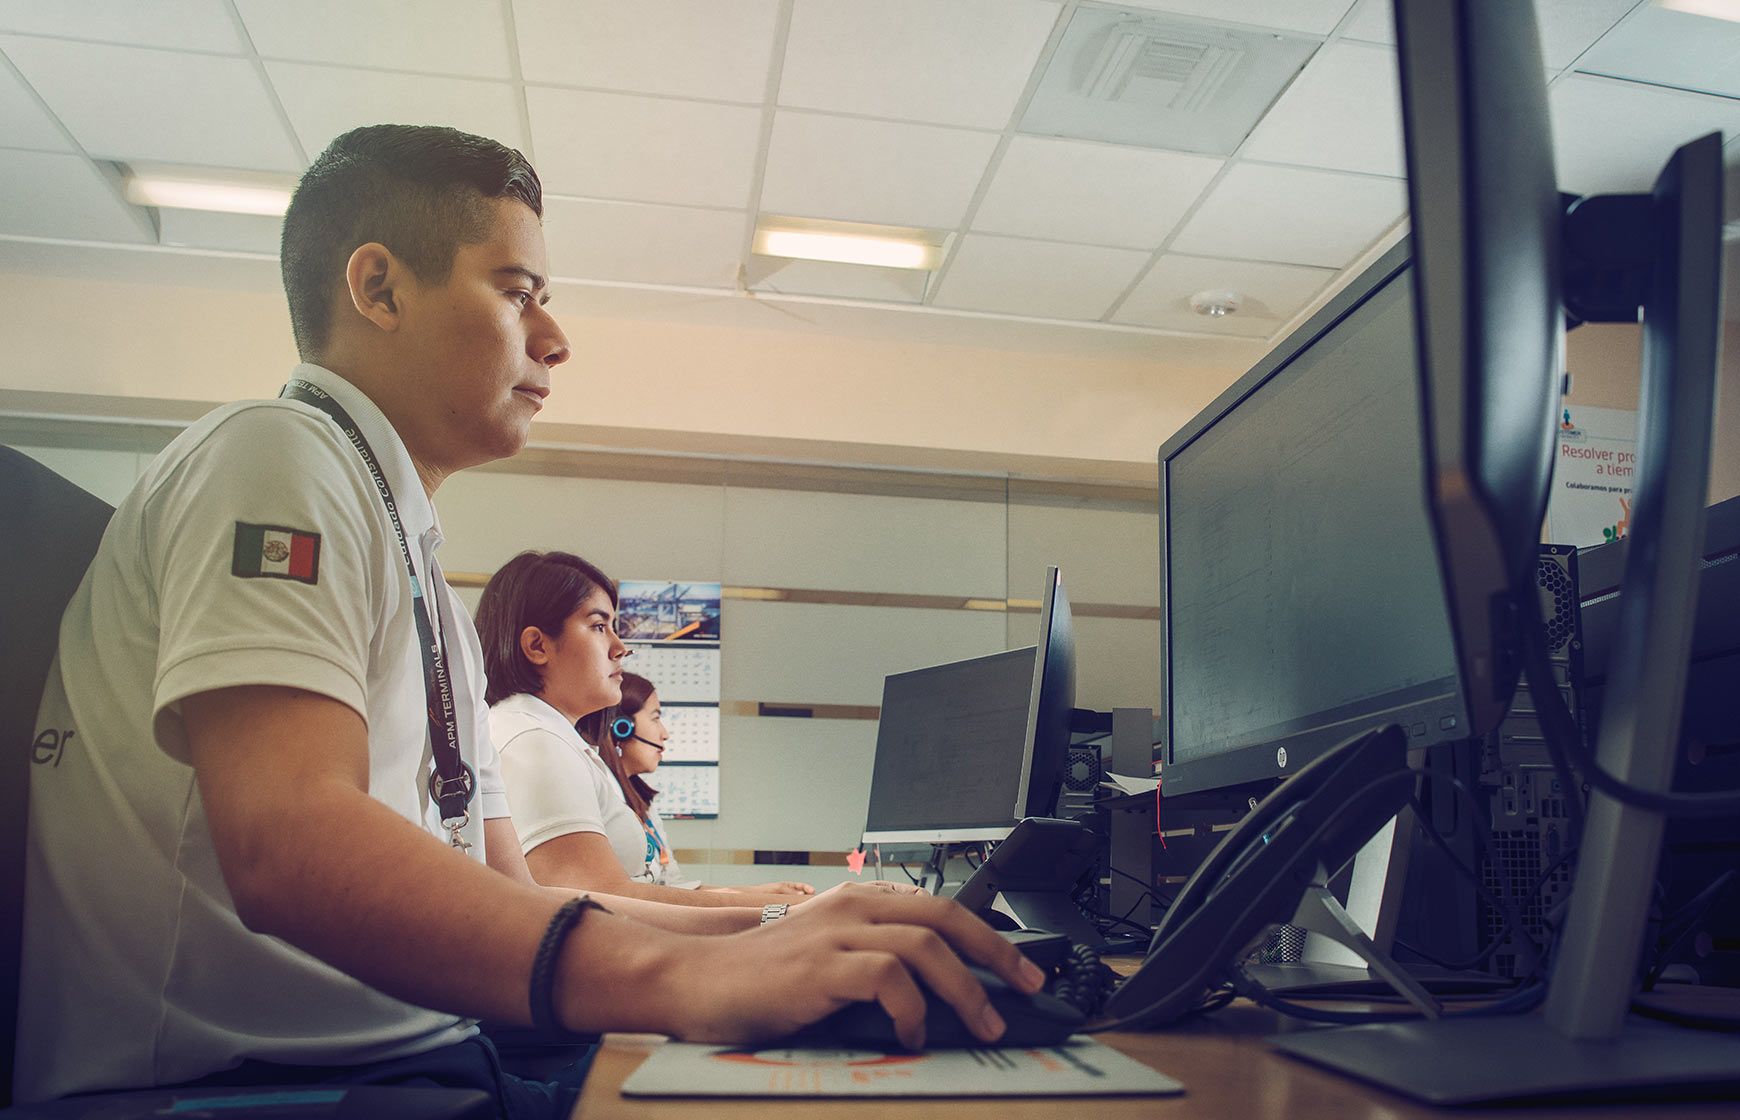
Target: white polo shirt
(136, 970)
(557, 784)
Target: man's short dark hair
(539, 589)
(420, 190)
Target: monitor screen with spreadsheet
(1299, 580)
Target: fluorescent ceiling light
(189, 188)
(849, 243)
(840, 248)
(1715, 9)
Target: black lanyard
(452, 783)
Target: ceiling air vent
(1163, 81)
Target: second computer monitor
(948, 751)
(1051, 706)
(1299, 584)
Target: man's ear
(535, 646)
(375, 277)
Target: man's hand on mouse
(845, 946)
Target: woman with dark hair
(550, 651)
(632, 740)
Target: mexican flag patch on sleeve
(274, 552)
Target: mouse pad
(1080, 1067)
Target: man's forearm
(681, 919)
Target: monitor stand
(1329, 967)
(1321, 913)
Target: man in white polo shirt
(276, 845)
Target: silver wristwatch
(772, 911)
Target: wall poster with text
(1594, 468)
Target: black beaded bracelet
(543, 987)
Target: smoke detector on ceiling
(1216, 303)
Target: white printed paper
(683, 674)
(686, 791)
(694, 733)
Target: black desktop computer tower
(1514, 836)
(1527, 857)
(1695, 930)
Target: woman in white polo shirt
(633, 737)
(550, 651)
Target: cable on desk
(1147, 888)
(1496, 943)
(1684, 923)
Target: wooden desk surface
(1227, 1070)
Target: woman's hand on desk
(866, 943)
(783, 886)
(874, 888)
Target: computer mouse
(1032, 1020)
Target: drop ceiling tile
(24, 123)
(1570, 27)
(1040, 278)
(964, 63)
(1344, 113)
(1375, 22)
(1314, 17)
(1292, 216)
(194, 25)
(1671, 49)
(1613, 136)
(854, 170)
(51, 194)
(680, 48)
(180, 108)
(468, 38)
(324, 101)
(643, 149)
(1271, 295)
(1098, 194)
(643, 244)
(844, 281)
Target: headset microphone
(622, 729)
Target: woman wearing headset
(552, 659)
(633, 744)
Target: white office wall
(107, 474)
(863, 542)
(634, 530)
(1107, 552)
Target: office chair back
(52, 529)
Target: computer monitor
(1496, 247)
(948, 751)
(1051, 707)
(1299, 589)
